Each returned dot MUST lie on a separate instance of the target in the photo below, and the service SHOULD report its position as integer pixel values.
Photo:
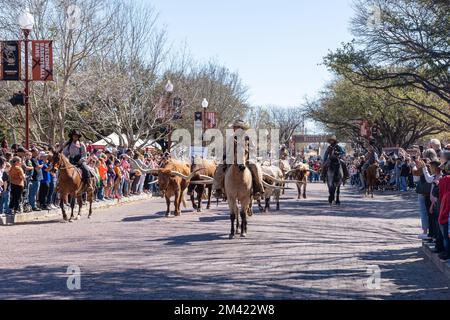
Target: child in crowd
(17, 177)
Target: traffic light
(18, 99)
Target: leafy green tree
(342, 106)
(403, 48)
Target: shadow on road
(190, 239)
(37, 282)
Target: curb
(56, 213)
(444, 267)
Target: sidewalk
(444, 267)
(56, 213)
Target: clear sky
(276, 46)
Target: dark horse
(70, 184)
(335, 178)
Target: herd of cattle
(175, 177)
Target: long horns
(280, 181)
(266, 185)
(151, 171)
(188, 178)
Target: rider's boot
(258, 187)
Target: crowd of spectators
(29, 183)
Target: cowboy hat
(75, 133)
(240, 124)
(332, 138)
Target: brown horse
(70, 184)
(371, 176)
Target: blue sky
(275, 46)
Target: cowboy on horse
(371, 158)
(75, 151)
(231, 147)
(334, 150)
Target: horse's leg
(80, 206)
(72, 207)
(304, 190)
(245, 205)
(61, 204)
(90, 199)
(233, 209)
(331, 190)
(299, 190)
(338, 192)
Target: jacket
(17, 176)
(444, 198)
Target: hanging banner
(211, 120)
(42, 60)
(10, 64)
(198, 120)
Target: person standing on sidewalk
(405, 170)
(423, 190)
(444, 198)
(36, 179)
(44, 188)
(6, 193)
(17, 177)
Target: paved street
(307, 251)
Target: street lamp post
(169, 90)
(205, 105)
(26, 22)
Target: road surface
(306, 251)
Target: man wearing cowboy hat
(258, 188)
(371, 157)
(338, 151)
(75, 151)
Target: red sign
(310, 138)
(42, 60)
(211, 120)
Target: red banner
(211, 120)
(42, 60)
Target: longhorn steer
(300, 173)
(208, 169)
(271, 187)
(173, 180)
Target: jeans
(125, 187)
(34, 187)
(43, 194)
(52, 188)
(444, 230)
(101, 191)
(423, 212)
(403, 184)
(4, 202)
